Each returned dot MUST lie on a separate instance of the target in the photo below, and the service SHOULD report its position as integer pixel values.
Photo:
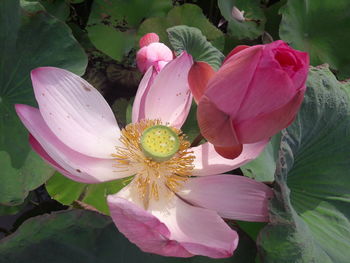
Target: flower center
(158, 156)
(159, 143)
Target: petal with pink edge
(75, 112)
(270, 123)
(232, 196)
(169, 98)
(238, 71)
(138, 109)
(265, 93)
(215, 125)
(143, 229)
(209, 162)
(235, 51)
(149, 55)
(229, 152)
(160, 65)
(200, 231)
(43, 154)
(83, 168)
(173, 228)
(198, 78)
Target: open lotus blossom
(256, 93)
(152, 53)
(177, 198)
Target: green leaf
(251, 228)
(67, 191)
(191, 39)
(112, 24)
(12, 210)
(263, 168)
(318, 27)
(96, 194)
(127, 14)
(311, 209)
(84, 236)
(29, 38)
(16, 183)
(11, 187)
(116, 45)
(124, 77)
(189, 15)
(120, 107)
(273, 18)
(129, 111)
(254, 24)
(57, 8)
(76, 1)
(64, 190)
(190, 127)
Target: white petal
(83, 168)
(208, 161)
(169, 97)
(75, 112)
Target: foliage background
(47, 217)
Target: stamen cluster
(153, 179)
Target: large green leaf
(263, 168)
(29, 38)
(320, 28)
(191, 39)
(11, 210)
(112, 24)
(11, 187)
(189, 15)
(110, 41)
(57, 8)
(67, 191)
(16, 183)
(311, 209)
(254, 24)
(84, 236)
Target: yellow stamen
(154, 176)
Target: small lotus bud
(148, 39)
(237, 14)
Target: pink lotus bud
(152, 53)
(255, 94)
(148, 39)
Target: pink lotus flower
(255, 94)
(152, 53)
(174, 204)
